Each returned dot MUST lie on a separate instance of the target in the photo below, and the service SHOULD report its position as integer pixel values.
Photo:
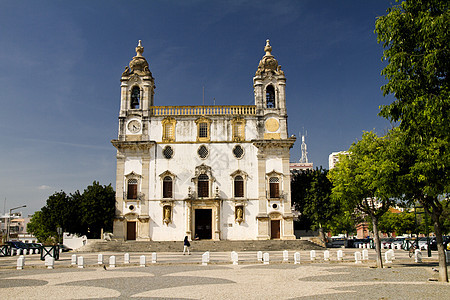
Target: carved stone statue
(166, 214)
(239, 214)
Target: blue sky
(61, 62)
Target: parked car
(34, 246)
(17, 245)
(64, 248)
(387, 243)
(397, 242)
(446, 242)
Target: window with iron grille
(168, 152)
(203, 130)
(274, 187)
(167, 187)
(238, 187)
(238, 151)
(203, 185)
(132, 189)
(168, 131)
(203, 151)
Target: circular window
(275, 206)
(131, 207)
(168, 152)
(202, 152)
(238, 151)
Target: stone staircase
(200, 246)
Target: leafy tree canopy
(83, 214)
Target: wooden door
(275, 229)
(131, 231)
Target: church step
(200, 245)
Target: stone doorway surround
(211, 204)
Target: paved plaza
(175, 276)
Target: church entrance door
(131, 231)
(275, 229)
(203, 222)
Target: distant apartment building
(333, 158)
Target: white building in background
(211, 172)
(333, 158)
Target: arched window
(203, 185)
(270, 97)
(135, 98)
(274, 187)
(132, 189)
(238, 187)
(167, 187)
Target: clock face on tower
(134, 126)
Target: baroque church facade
(206, 172)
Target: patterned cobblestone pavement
(175, 276)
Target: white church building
(206, 172)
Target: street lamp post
(9, 220)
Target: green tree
(311, 196)
(37, 226)
(98, 209)
(398, 223)
(82, 214)
(363, 180)
(416, 37)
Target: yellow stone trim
(203, 110)
(272, 125)
(272, 136)
(208, 129)
(132, 138)
(169, 121)
(240, 134)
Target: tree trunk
(443, 275)
(377, 242)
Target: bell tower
(269, 86)
(137, 92)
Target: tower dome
(268, 64)
(138, 65)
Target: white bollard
(100, 259)
(296, 258)
(259, 256)
(207, 254)
(418, 256)
(80, 262)
(312, 254)
(235, 258)
(205, 259)
(20, 263)
(49, 262)
(73, 259)
(357, 257)
(112, 261)
(388, 257)
(154, 257)
(359, 246)
(126, 258)
(392, 254)
(365, 254)
(266, 258)
(326, 255)
(285, 256)
(447, 256)
(340, 255)
(142, 261)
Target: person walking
(186, 246)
